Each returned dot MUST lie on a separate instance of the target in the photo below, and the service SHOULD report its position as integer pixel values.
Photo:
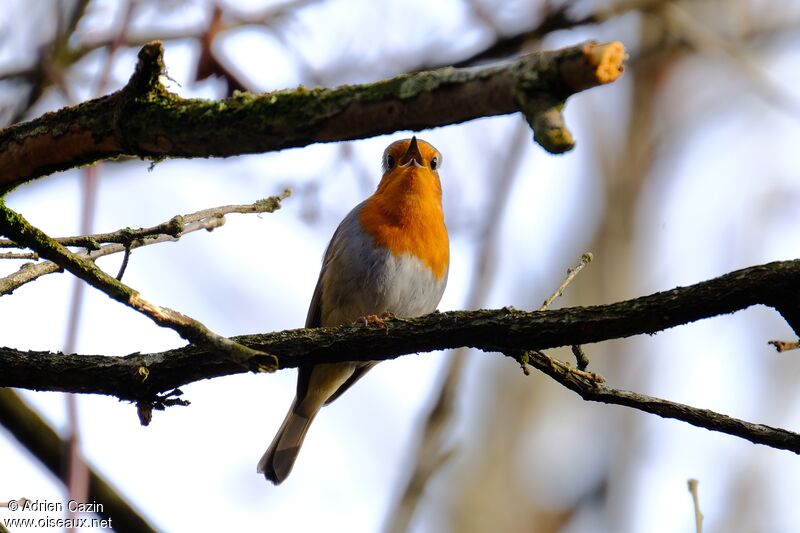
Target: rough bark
(145, 120)
(142, 376)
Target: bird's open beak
(412, 155)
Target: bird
(390, 256)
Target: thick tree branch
(141, 377)
(43, 442)
(499, 330)
(143, 119)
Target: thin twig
(580, 357)
(571, 273)
(15, 226)
(124, 264)
(698, 516)
(169, 231)
(583, 361)
(23, 255)
(564, 367)
(172, 227)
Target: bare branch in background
(169, 231)
(44, 72)
(571, 273)
(43, 442)
(557, 17)
(706, 41)
(229, 18)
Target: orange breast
(405, 216)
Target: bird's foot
(377, 320)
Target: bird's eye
(389, 162)
(434, 163)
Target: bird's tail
(278, 460)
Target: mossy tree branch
(144, 119)
(142, 377)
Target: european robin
(390, 255)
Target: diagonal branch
(143, 119)
(14, 226)
(590, 387)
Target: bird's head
(410, 167)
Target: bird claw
(376, 320)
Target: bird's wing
(314, 317)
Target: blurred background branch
(47, 447)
